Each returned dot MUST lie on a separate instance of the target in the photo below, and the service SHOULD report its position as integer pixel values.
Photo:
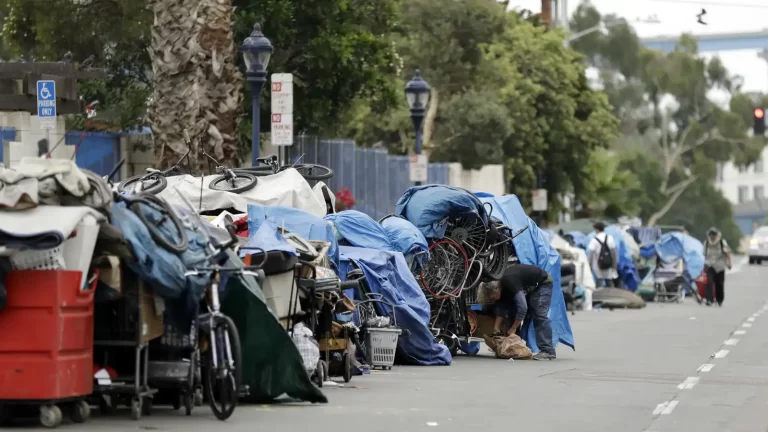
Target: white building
(740, 185)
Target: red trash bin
(46, 342)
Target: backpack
(706, 246)
(604, 257)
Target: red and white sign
(419, 168)
(282, 109)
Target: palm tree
(176, 56)
(221, 102)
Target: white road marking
(751, 319)
(431, 423)
(740, 332)
(665, 408)
(721, 354)
(731, 342)
(746, 325)
(705, 367)
(688, 383)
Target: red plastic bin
(46, 336)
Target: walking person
(521, 285)
(717, 258)
(603, 257)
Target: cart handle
(384, 302)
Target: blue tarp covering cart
(674, 246)
(428, 206)
(533, 248)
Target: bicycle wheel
(496, 262)
(222, 384)
(242, 182)
(311, 171)
(162, 239)
(152, 184)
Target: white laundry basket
(381, 344)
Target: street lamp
(417, 93)
(257, 51)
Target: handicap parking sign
(46, 104)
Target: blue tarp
(533, 248)
(387, 274)
(626, 266)
(578, 237)
(673, 246)
(296, 221)
(360, 230)
(268, 239)
(406, 239)
(427, 206)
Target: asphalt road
(676, 367)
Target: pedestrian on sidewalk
(521, 285)
(602, 257)
(717, 258)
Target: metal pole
(417, 116)
(257, 83)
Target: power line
(715, 3)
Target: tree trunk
(671, 200)
(221, 83)
(175, 104)
(430, 118)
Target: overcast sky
(679, 16)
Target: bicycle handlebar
(349, 284)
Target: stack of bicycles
(475, 248)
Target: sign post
(539, 201)
(46, 105)
(419, 168)
(282, 112)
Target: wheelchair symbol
(44, 93)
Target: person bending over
(521, 285)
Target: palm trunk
(221, 83)
(175, 54)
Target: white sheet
(287, 189)
(583, 274)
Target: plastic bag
(508, 347)
(307, 345)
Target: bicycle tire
(324, 173)
(157, 236)
(496, 263)
(227, 326)
(221, 183)
(128, 185)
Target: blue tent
(533, 248)
(673, 246)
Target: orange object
(759, 113)
(46, 341)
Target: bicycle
(154, 181)
(270, 166)
(234, 181)
(222, 360)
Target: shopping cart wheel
(346, 364)
(81, 412)
(50, 416)
(136, 408)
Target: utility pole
(546, 12)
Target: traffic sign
(282, 109)
(419, 168)
(539, 201)
(46, 104)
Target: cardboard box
(152, 309)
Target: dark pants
(715, 286)
(538, 313)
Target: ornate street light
(417, 93)
(257, 50)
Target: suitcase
(701, 284)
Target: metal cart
(126, 325)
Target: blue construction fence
(6, 134)
(375, 178)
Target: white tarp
(584, 275)
(287, 189)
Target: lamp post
(417, 93)
(257, 51)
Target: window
(758, 192)
(743, 194)
(759, 166)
